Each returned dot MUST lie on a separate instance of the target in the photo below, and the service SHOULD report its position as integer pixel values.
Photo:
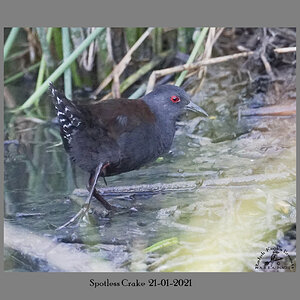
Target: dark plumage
(120, 135)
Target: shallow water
(218, 226)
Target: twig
(189, 185)
(123, 63)
(116, 84)
(267, 65)
(263, 55)
(212, 37)
(285, 50)
(158, 73)
(9, 100)
(272, 110)
(88, 55)
(142, 71)
(217, 35)
(143, 188)
(138, 74)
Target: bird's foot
(92, 185)
(78, 216)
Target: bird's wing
(117, 116)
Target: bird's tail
(69, 117)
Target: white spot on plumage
(122, 120)
(68, 114)
(76, 122)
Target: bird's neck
(165, 127)
(166, 130)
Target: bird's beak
(193, 107)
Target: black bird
(114, 136)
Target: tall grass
(66, 52)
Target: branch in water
(59, 256)
(190, 185)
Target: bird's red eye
(175, 99)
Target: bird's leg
(96, 194)
(92, 184)
(104, 180)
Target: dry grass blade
(88, 56)
(123, 63)
(212, 37)
(138, 74)
(271, 110)
(116, 85)
(159, 73)
(285, 50)
(9, 100)
(263, 55)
